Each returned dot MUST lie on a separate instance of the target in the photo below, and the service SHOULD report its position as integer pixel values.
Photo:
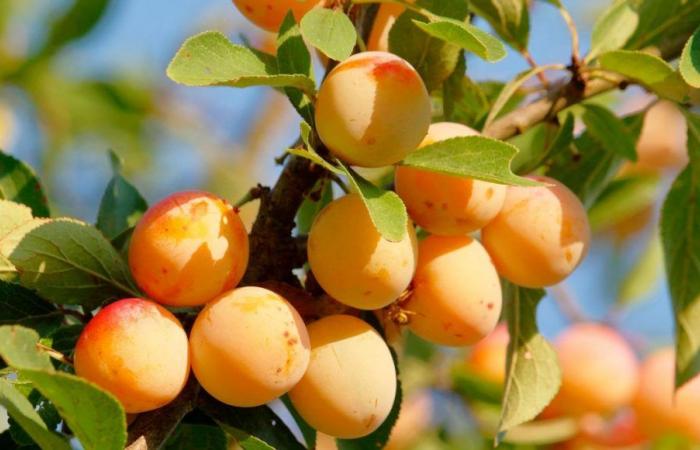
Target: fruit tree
(386, 290)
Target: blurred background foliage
(81, 77)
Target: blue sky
(139, 38)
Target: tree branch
(273, 249)
(275, 252)
(562, 95)
(151, 430)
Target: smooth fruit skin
(349, 387)
(188, 248)
(488, 357)
(249, 347)
(599, 370)
(456, 297)
(658, 410)
(352, 262)
(136, 350)
(443, 204)
(386, 17)
(373, 109)
(540, 236)
(662, 143)
(269, 14)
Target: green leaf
(509, 18)
(386, 209)
(121, 207)
(542, 142)
(644, 275)
(475, 157)
(663, 22)
(18, 303)
(649, 70)
(310, 153)
(610, 131)
(293, 57)
(15, 218)
(466, 36)
(468, 102)
(77, 22)
(689, 65)
(95, 417)
(306, 430)
(533, 376)
(65, 338)
(255, 428)
(454, 90)
(70, 262)
(512, 87)
(190, 436)
(330, 31)
(586, 168)
(613, 28)
(18, 348)
(623, 198)
(18, 183)
(23, 413)
(315, 158)
(680, 219)
(210, 59)
(379, 437)
(433, 58)
(14, 215)
(311, 206)
(41, 405)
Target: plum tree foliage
(174, 327)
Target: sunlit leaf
(613, 28)
(509, 18)
(475, 157)
(23, 413)
(689, 65)
(680, 219)
(330, 31)
(533, 375)
(649, 70)
(70, 262)
(386, 209)
(210, 59)
(466, 36)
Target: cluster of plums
(449, 282)
(619, 402)
(248, 345)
